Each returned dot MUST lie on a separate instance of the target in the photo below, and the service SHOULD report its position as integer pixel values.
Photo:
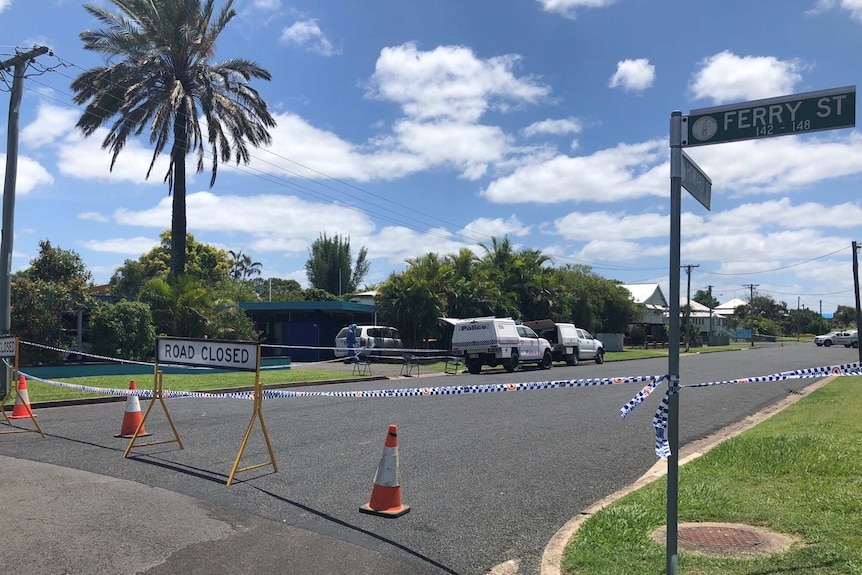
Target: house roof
(730, 306)
(695, 305)
(646, 294)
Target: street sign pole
(672, 561)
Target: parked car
(846, 338)
(569, 343)
(496, 341)
(372, 339)
(826, 340)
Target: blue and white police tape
(662, 447)
(374, 393)
(462, 389)
(142, 393)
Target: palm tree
(242, 266)
(159, 77)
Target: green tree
(44, 296)
(844, 316)
(124, 329)
(499, 262)
(414, 299)
(703, 297)
(203, 261)
(242, 266)
(159, 77)
(276, 289)
(329, 265)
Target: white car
(372, 340)
(847, 338)
(825, 340)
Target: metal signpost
(783, 116)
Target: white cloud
(308, 35)
(30, 174)
(84, 158)
(554, 127)
(784, 214)
(450, 82)
(625, 171)
(777, 165)
(94, 216)
(51, 123)
(482, 229)
(854, 7)
(470, 147)
(592, 225)
(726, 77)
(291, 224)
(267, 4)
(635, 75)
(5, 4)
(567, 8)
(127, 246)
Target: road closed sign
(208, 353)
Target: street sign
(8, 346)
(237, 355)
(695, 180)
(782, 116)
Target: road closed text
(234, 355)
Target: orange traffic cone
(386, 494)
(133, 417)
(22, 401)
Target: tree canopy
(330, 266)
(160, 78)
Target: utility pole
(751, 309)
(688, 306)
(856, 292)
(19, 64)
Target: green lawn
(799, 473)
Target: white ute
(568, 342)
(496, 341)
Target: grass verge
(799, 473)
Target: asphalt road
(489, 477)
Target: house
(653, 306)
(366, 297)
(700, 317)
(729, 308)
(306, 326)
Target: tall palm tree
(159, 77)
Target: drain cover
(726, 538)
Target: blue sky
(414, 126)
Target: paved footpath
(62, 521)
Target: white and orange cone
(133, 416)
(386, 494)
(22, 401)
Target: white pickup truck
(846, 338)
(569, 343)
(496, 341)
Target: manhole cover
(726, 539)
(733, 538)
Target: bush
(123, 330)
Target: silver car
(372, 339)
